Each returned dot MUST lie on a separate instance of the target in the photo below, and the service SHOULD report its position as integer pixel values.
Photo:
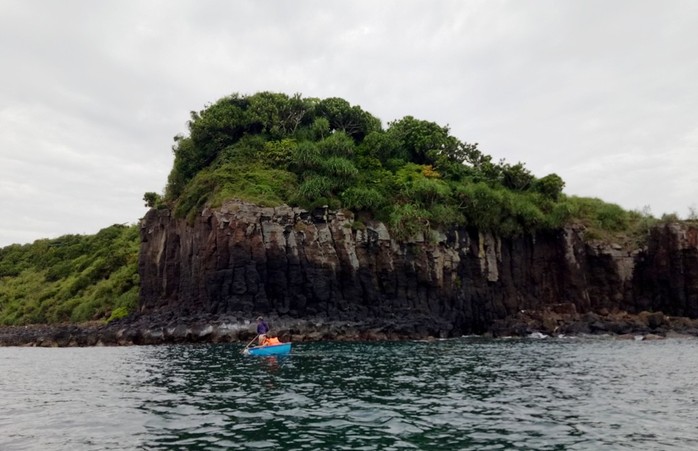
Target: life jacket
(271, 341)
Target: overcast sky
(603, 93)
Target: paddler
(262, 329)
(270, 339)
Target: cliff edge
(241, 259)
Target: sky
(602, 93)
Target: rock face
(666, 274)
(241, 259)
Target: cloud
(601, 93)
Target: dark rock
(652, 320)
(317, 278)
(244, 259)
(575, 328)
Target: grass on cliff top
(265, 187)
(271, 149)
(606, 222)
(74, 278)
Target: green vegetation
(270, 149)
(607, 222)
(73, 278)
(273, 149)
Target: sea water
(468, 393)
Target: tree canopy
(73, 278)
(272, 148)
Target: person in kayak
(270, 339)
(262, 329)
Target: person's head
(259, 319)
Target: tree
(210, 131)
(423, 141)
(151, 199)
(516, 177)
(219, 126)
(550, 186)
(352, 120)
(278, 115)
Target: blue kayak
(280, 349)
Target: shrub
(270, 148)
(71, 278)
(550, 186)
(315, 187)
(407, 220)
(361, 198)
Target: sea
(543, 393)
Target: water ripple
(583, 394)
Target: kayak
(280, 349)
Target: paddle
(248, 344)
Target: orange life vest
(271, 341)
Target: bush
(550, 186)
(361, 198)
(270, 149)
(256, 184)
(71, 278)
(407, 220)
(315, 187)
(118, 313)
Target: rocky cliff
(241, 259)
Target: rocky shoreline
(555, 320)
(563, 319)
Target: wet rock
(652, 320)
(243, 259)
(320, 279)
(145, 330)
